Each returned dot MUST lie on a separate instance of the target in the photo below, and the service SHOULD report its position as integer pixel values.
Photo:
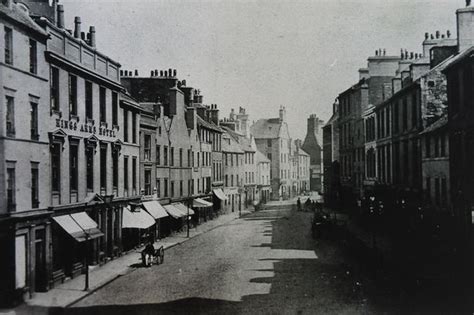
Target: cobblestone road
(266, 262)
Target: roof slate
(266, 128)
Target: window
(172, 188)
(102, 104)
(231, 180)
(181, 188)
(227, 180)
(34, 185)
(180, 157)
(54, 89)
(56, 167)
(414, 112)
(88, 91)
(103, 167)
(73, 168)
(33, 57)
(72, 84)
(269, 156)
(125, 125)
(134, 127)
(405, 114)
(158, 155)
(171, 156)
(442, 145)
(436, 146)
(11, 188)
(159, 130)
(134, 173)
(444, 192)
(165, 155)
(8, 39)
(90, 168)
(437, 192)
(10, 116)
(147, 182)
(34, 121)
(114, 108)
(115, 170)
(165, 186)
(158, 187)
(125, 172)
(147, 147)
(269, 143)
(189, 157)
(427, 146)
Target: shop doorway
(40, 261)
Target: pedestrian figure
(307, 204)
(298, 204)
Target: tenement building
(272, 138)
(312, 145)
(331, 182)
(78, 172)
(25, 226)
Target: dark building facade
(312, 145)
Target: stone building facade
(313, 146)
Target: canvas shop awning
(79, 225)
(220, 194)
(201, 203)
(155, 209)
(174, 212)
(183, 208)
(136, 219)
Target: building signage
(87, 128)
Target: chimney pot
(77, 27)
(151, 73)
(401, 53)
(406, 54)
(156, 72)
(136, 72)
(448, 34)
(384, 52)
(121, 73)
(170, 72)
(442, 35)
(376, 52)
(174, 72)
(60, 22)
(184, 82)
(166, 73)
(83, 36)
(161, 73)
(437, 34)
(130, 73)
(92, 41)
(411, 55)
(427, 35)
(432, 36)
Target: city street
(266, 262)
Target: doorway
(40, 261)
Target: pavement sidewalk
(72, 290)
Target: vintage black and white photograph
(236, 157)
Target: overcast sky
(261, 54)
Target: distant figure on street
(307, 204)
(298, 204)
(148, 251)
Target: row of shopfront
(57, 244)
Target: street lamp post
(189, 200)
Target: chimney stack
(465, 27)
(437, 34)
(60, 21)
(92, 36)
(77, 27)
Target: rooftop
(266, 128)
(18, 15)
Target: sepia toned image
(236, 157)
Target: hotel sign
(86, 128)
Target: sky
(261, 54)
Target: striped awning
(201, 203)
(220, 194)
(139, 219)
(174, 212)
(155, 209)
(79, 225)
(183, 208)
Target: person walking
(298, 204)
